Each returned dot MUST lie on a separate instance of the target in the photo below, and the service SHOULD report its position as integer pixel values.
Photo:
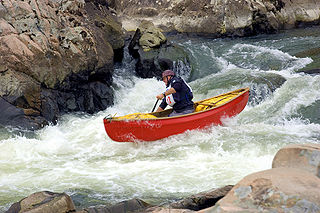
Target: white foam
(78, 154)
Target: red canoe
(154, 126)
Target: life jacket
(170, 99)
(182, 97)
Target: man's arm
(166, 93)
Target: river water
(77, 157)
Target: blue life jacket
(182, 97)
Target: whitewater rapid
(76, 155)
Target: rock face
(166, 210)
(220, 17)
(133, 205)
(147, 37)
(155, 54)
(274, 190)
(304, 156)
(202, 200)
(44, 202)
(55, 57)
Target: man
(178, 95)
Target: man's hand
(159, 109)
(168, 92)
(160, 96)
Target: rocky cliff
(55, 57)
(220, 17)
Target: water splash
(78, 157)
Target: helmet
(167, 73)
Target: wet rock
(274, 190)
(314, 67)
(311, 72)
(55, 58)
(13, 116)
(44, 202)
(202, 200)
(154, 62)
(310, 112)
(264, 86)
(134, 205)
(166, 210)
(155, 54)
(300, 156)
(20, 100)
(106, 25)
(309, 53)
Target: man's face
(166, 79)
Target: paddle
(155, 105)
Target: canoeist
(178, 95)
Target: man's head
(167, 75)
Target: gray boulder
(155, 54)
(133, 205)
(202, 200)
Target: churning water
(76, 156)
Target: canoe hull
(155, 129)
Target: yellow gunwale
(239, 91)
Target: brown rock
(166, 210)
(274, 190)
(31, 112)
(45, 201)
(20, 102)
(20, 89)
(15, 46)
(202, 200)
(301, 156)
(133, 205)
(54, 45)
(6, 28)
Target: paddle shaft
(155, 105)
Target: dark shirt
(182, 97)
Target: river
(77, 157)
